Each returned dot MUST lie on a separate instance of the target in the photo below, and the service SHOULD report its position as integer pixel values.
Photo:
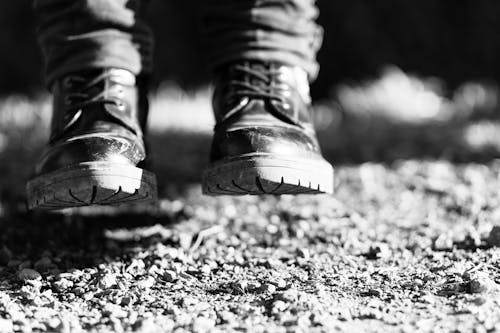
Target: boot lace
(266, 90)
(82, 92)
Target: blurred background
(399, 79)
(456, 41)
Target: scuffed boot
(96, 144)
(264, 141)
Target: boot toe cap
(275, 140)
(90, 149)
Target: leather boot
(264, 140)
(96, 146)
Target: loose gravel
(406, 247)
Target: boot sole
(258, 174)
(91, 183)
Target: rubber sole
(92, 183)
(264, 174)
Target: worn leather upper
(263, 108)
(98, 115)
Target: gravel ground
(406, 247)
(409, 242)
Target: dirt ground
(402, 248)
(408, 243)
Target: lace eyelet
(120, 106)
(118, 90)
(286, 106)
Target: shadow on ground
(179, 157)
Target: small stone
(62, 285)
(114, 311)
(303, 253)
(54, 323)
(169, 276)
(146, 283)
(443, 242)
(280, 284)
(6, 326)
(79, 291)
(203, 324)
(107, 281)
(189, 301)
(127, 300)
(379, 251)
(290, 295)
(480, 329)
(185, 240)
(479, 301)
(481, 283)
(28, 274)
(240, 286)
(268, 288)
(205, 269)
(254, 285)
(226, 317)
(272, 263)
(145, 325)
(279, 306)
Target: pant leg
(269, 30)
(88, 34)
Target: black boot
(96, 144)
(264, 141)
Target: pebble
(145, 325)
(481, 283)
(203, 324)
(380, 250)
(28, 274)
(113, 310)
(169, 276)
(268, 288)
(303, 253)
(254, 285)
(280, 283)
(79, 291)
(62, 285)
(240, 286)
(279, 306)
(290, 295)
(146, 283)
(189, 301)
(272, 263)
(107, 281)
(6, 326)
(443, 242)
(128, 300)
(226, 317)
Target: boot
(96, 146)
(264, 140)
